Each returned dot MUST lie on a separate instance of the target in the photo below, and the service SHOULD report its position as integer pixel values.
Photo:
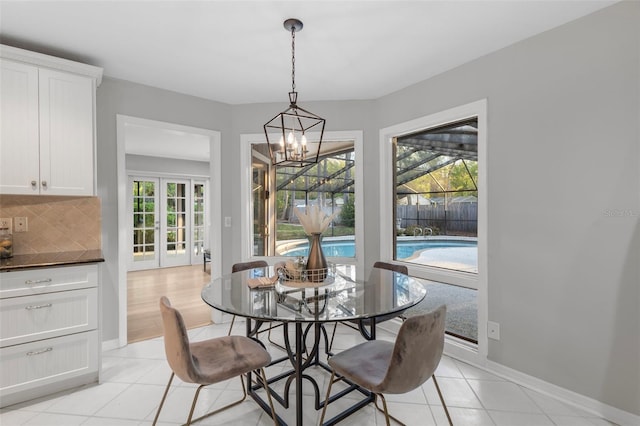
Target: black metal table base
(301, 359)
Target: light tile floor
(134, 378)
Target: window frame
(474, 353)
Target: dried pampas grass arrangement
(314, 220)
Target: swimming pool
(405, 248)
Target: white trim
(246, 210)
(478, 109)
(165, 174)
(42, 60)
(214, 195)
(108, 345)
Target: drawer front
(29, 318)
(47, 280)
(47, 361)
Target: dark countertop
(44, 260)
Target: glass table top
(342, 296)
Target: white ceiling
(238, 51)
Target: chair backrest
(243, 266)
(392, 267)
(176, 342)
(417, 352)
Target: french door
(161, 213)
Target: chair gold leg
(435, 382)
(164, 396)
(326, 399)
(233, 318)
(384, 405)
(244, 396)
(276, 344)
(193, 404)
(384, 410)
(266, 389)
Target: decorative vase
(316, 263)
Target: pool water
(330, 248)
(404, 249)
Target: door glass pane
(144, 220)
(176, 223)
(198, 219)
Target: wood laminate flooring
(182, 285)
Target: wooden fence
(457, 219)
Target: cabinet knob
(34, 184)
(44, 183)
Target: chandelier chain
(293, 58)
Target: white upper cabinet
(66, 134)
(19, 134)
(47, 121)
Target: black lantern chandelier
(288, 131)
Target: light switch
(493, 330)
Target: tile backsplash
(55, 224)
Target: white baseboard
(108, 345)
(567, 396)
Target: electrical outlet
(21, 224)
(5, 222)
(493, 330)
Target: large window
(278, 191)
(434, 214)
(436, 196)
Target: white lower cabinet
(49, 337)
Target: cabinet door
(45, 362)
(29, 318)
(47, 280)
(19, 156)
(66, 134)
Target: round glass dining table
(265, 295)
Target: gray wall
(122, 97)
(563, 157)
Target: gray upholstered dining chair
(244, 266)
(394, 368)
(209, 361)
(367, 322)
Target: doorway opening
(165, 224)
